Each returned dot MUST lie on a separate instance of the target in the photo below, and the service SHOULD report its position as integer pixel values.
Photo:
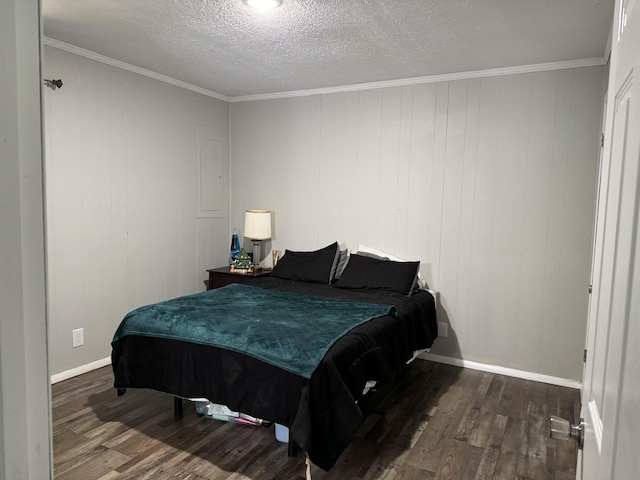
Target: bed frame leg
(292, 450)
(177, 406)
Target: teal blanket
(287, 330)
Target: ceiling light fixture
(263, 4)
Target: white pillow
(362, 248)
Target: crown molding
(540, 67)
(67, 47)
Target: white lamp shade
(257, 224)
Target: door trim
(596, 423)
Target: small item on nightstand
(235, 247)
(242, 263)
(275, 256)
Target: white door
(611, 389)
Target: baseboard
(74, 372)
(510, 372)
(458, 362)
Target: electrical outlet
(78, 337)
(442, 329)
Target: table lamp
(257, 227)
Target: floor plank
(436, 422)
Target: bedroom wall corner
(122, 199)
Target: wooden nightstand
(219, 277)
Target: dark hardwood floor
(436, 422)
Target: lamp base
(256, 254)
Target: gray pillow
(338, 266)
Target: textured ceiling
(223, 46)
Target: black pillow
(368, 273)
(373, 255)
(314, 267)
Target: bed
(318, 402)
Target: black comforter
(321, 412)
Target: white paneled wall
(122, 199)
(489, 182)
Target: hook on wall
(52, 84)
